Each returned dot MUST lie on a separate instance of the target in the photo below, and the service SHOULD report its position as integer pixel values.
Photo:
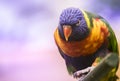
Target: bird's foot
(82, 73)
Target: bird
(83, 40)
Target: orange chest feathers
(89, 45)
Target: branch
(105, 66)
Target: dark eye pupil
(78, 23)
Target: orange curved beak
(67, 31)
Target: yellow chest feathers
(87, 46)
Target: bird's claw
(81, 73)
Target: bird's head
(72, 25)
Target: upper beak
(67, 31)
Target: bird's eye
(78, 23)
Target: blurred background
(27, 48)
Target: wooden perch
(105, 66)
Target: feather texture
(82, 52)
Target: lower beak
(67, 31)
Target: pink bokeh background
(27, 48)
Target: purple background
(27, 48)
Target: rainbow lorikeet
(83, 40)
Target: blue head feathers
(73, 17)
(70, 16)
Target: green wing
(112, 45)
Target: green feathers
(112, 45)
(82, 52)
(70, 69)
